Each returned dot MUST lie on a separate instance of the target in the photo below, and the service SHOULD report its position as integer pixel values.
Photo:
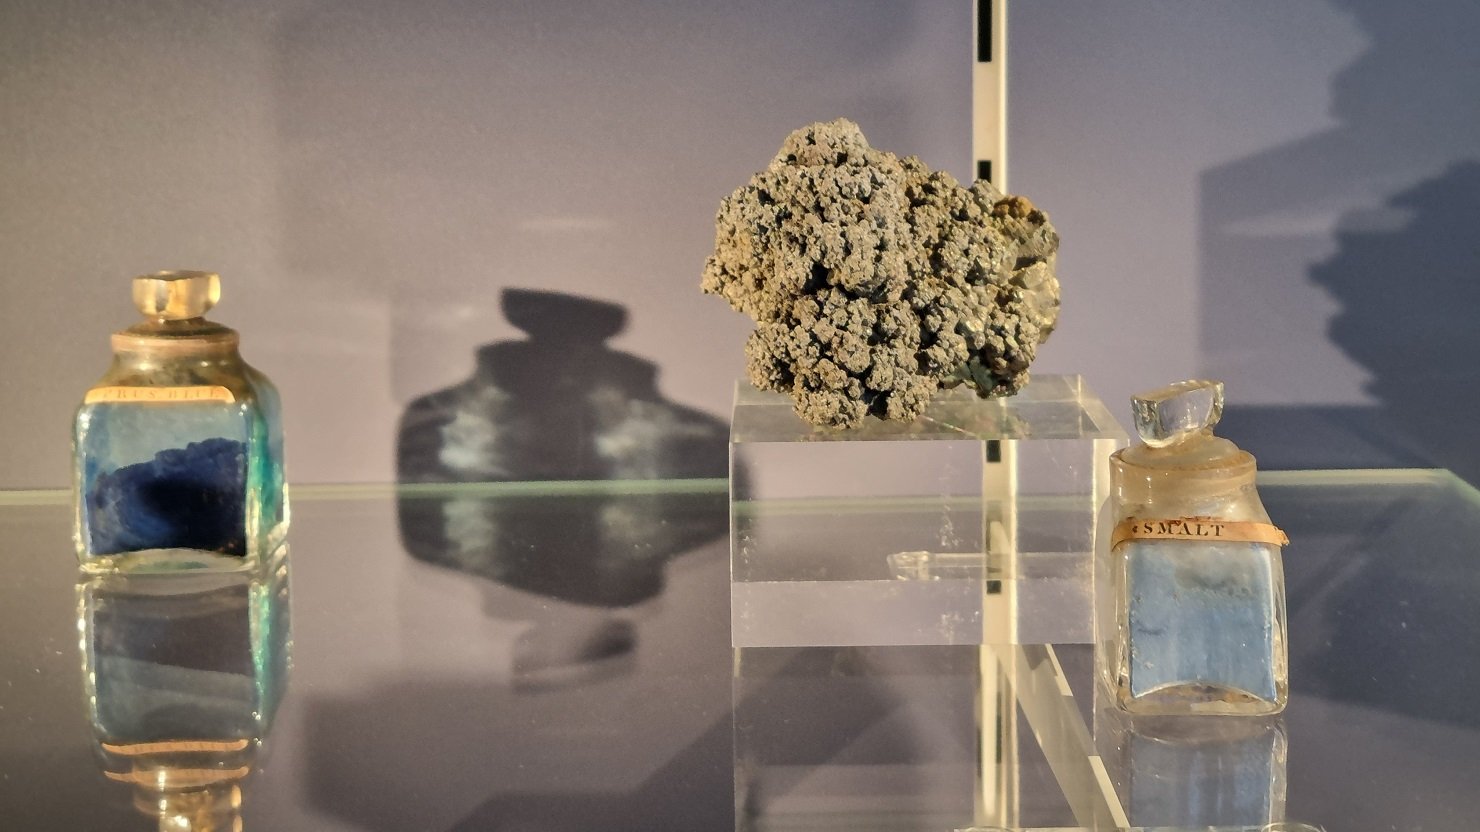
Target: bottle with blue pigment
(179, 447)
(1189, 585)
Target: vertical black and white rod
(997, 758)
(989, 109)
(989, 91)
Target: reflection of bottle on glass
(1190, 591)
(179, 447)
(1189, 772)
(183, 673)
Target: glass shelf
(437, 692)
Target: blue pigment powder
(185, 498)
(1200, 614)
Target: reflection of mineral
(874, 280)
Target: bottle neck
(213, 808)
(1208, 467)
(147, 346)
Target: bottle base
(165, 560)
(1197, 699)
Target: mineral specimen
(874, 281)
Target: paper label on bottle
(193, 393)
(1204, 529)
(142, 749)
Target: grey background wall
(368, 177)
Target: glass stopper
(1173, 413)
(176, 296)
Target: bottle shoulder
(181, 375)
(1234, 504)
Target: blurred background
(1278, 193)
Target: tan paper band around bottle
(196, 393)
(1205, 529)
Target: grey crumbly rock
(874, 281)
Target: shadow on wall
(560, 405)
(1406, 278)
(1409, 299)
(433, 149)
(1390, 186)
(596, 448)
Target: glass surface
(429, 697)
(954, 529)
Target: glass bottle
(178, 448)
(1189, 586)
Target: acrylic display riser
(974, 524)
